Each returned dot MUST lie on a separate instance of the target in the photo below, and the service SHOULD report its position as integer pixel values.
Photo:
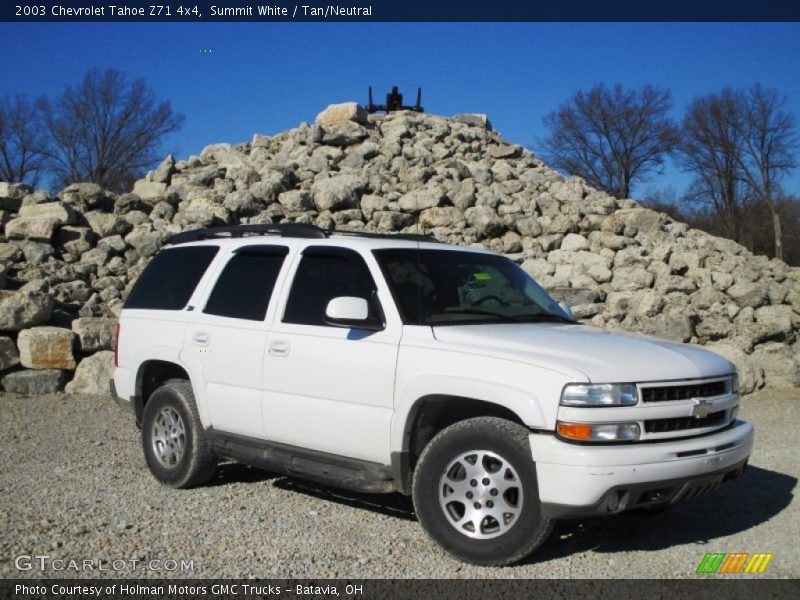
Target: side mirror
(351, 312)
(567, 310)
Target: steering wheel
(497, 299)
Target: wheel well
(431, 414)
(153, 374)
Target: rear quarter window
(169, 280)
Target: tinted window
(169, 280)
(325, 274)
(441, 287)
(244, 288)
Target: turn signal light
(599, 432)
(575, 431)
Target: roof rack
(290, 230)
(295, 230)
(409, 237)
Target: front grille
(683, 392)
(683, 423)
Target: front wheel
(175, 446)
(475, 492)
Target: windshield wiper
(477, 310)
(522, 318)
(539, 318)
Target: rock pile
(67, 263)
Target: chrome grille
(671, 393)
(684, 423)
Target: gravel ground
(73, 485)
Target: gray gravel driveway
(74, 486)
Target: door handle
(200, 338)
(279, 348)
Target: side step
(331, 469)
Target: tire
(175, 446)
(477, 451)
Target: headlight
(735, 383)
(599, 394)
(599, 432)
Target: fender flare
(521, 402)
(176, 357)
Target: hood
(602, 356)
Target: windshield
(451, 287)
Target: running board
(321, 467)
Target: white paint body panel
(351, 392)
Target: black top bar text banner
(266, 11)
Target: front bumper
(581, 480)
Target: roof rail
(409, 237)
(291, 230)
(294, 230)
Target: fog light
(612, 504)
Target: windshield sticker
(482, 276)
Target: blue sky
(263, 78)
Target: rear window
(169, 280)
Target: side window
(169, 280)
(324, 274)
(245, 285)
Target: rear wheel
(175, 447)
(475, 492)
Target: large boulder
(95, 333)
(38, 229)
(46, 348)
(12, 194)
(338, 192)
(9, 357)
(34, 383)
(93, 374)
(780, 364)
(20, 310)
(751, 375)
(485, 221)
(151, 192)
(346, 112)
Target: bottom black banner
(367, 589)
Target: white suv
(393, 363)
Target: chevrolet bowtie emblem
(701, 410)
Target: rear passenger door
(331, 388)
(228, 336)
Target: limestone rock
(421, 199)
(32, 228)
(95, 333)
(93, 374)
(338, 192)
(9, 357)
(20, 310)
(46, 348)
(781, 366)
(34, 383)
(342, 113)
(485, 221)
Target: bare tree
(711, 148)
(612, 138)
(108, 130)
(23, 141)
(769, 143)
